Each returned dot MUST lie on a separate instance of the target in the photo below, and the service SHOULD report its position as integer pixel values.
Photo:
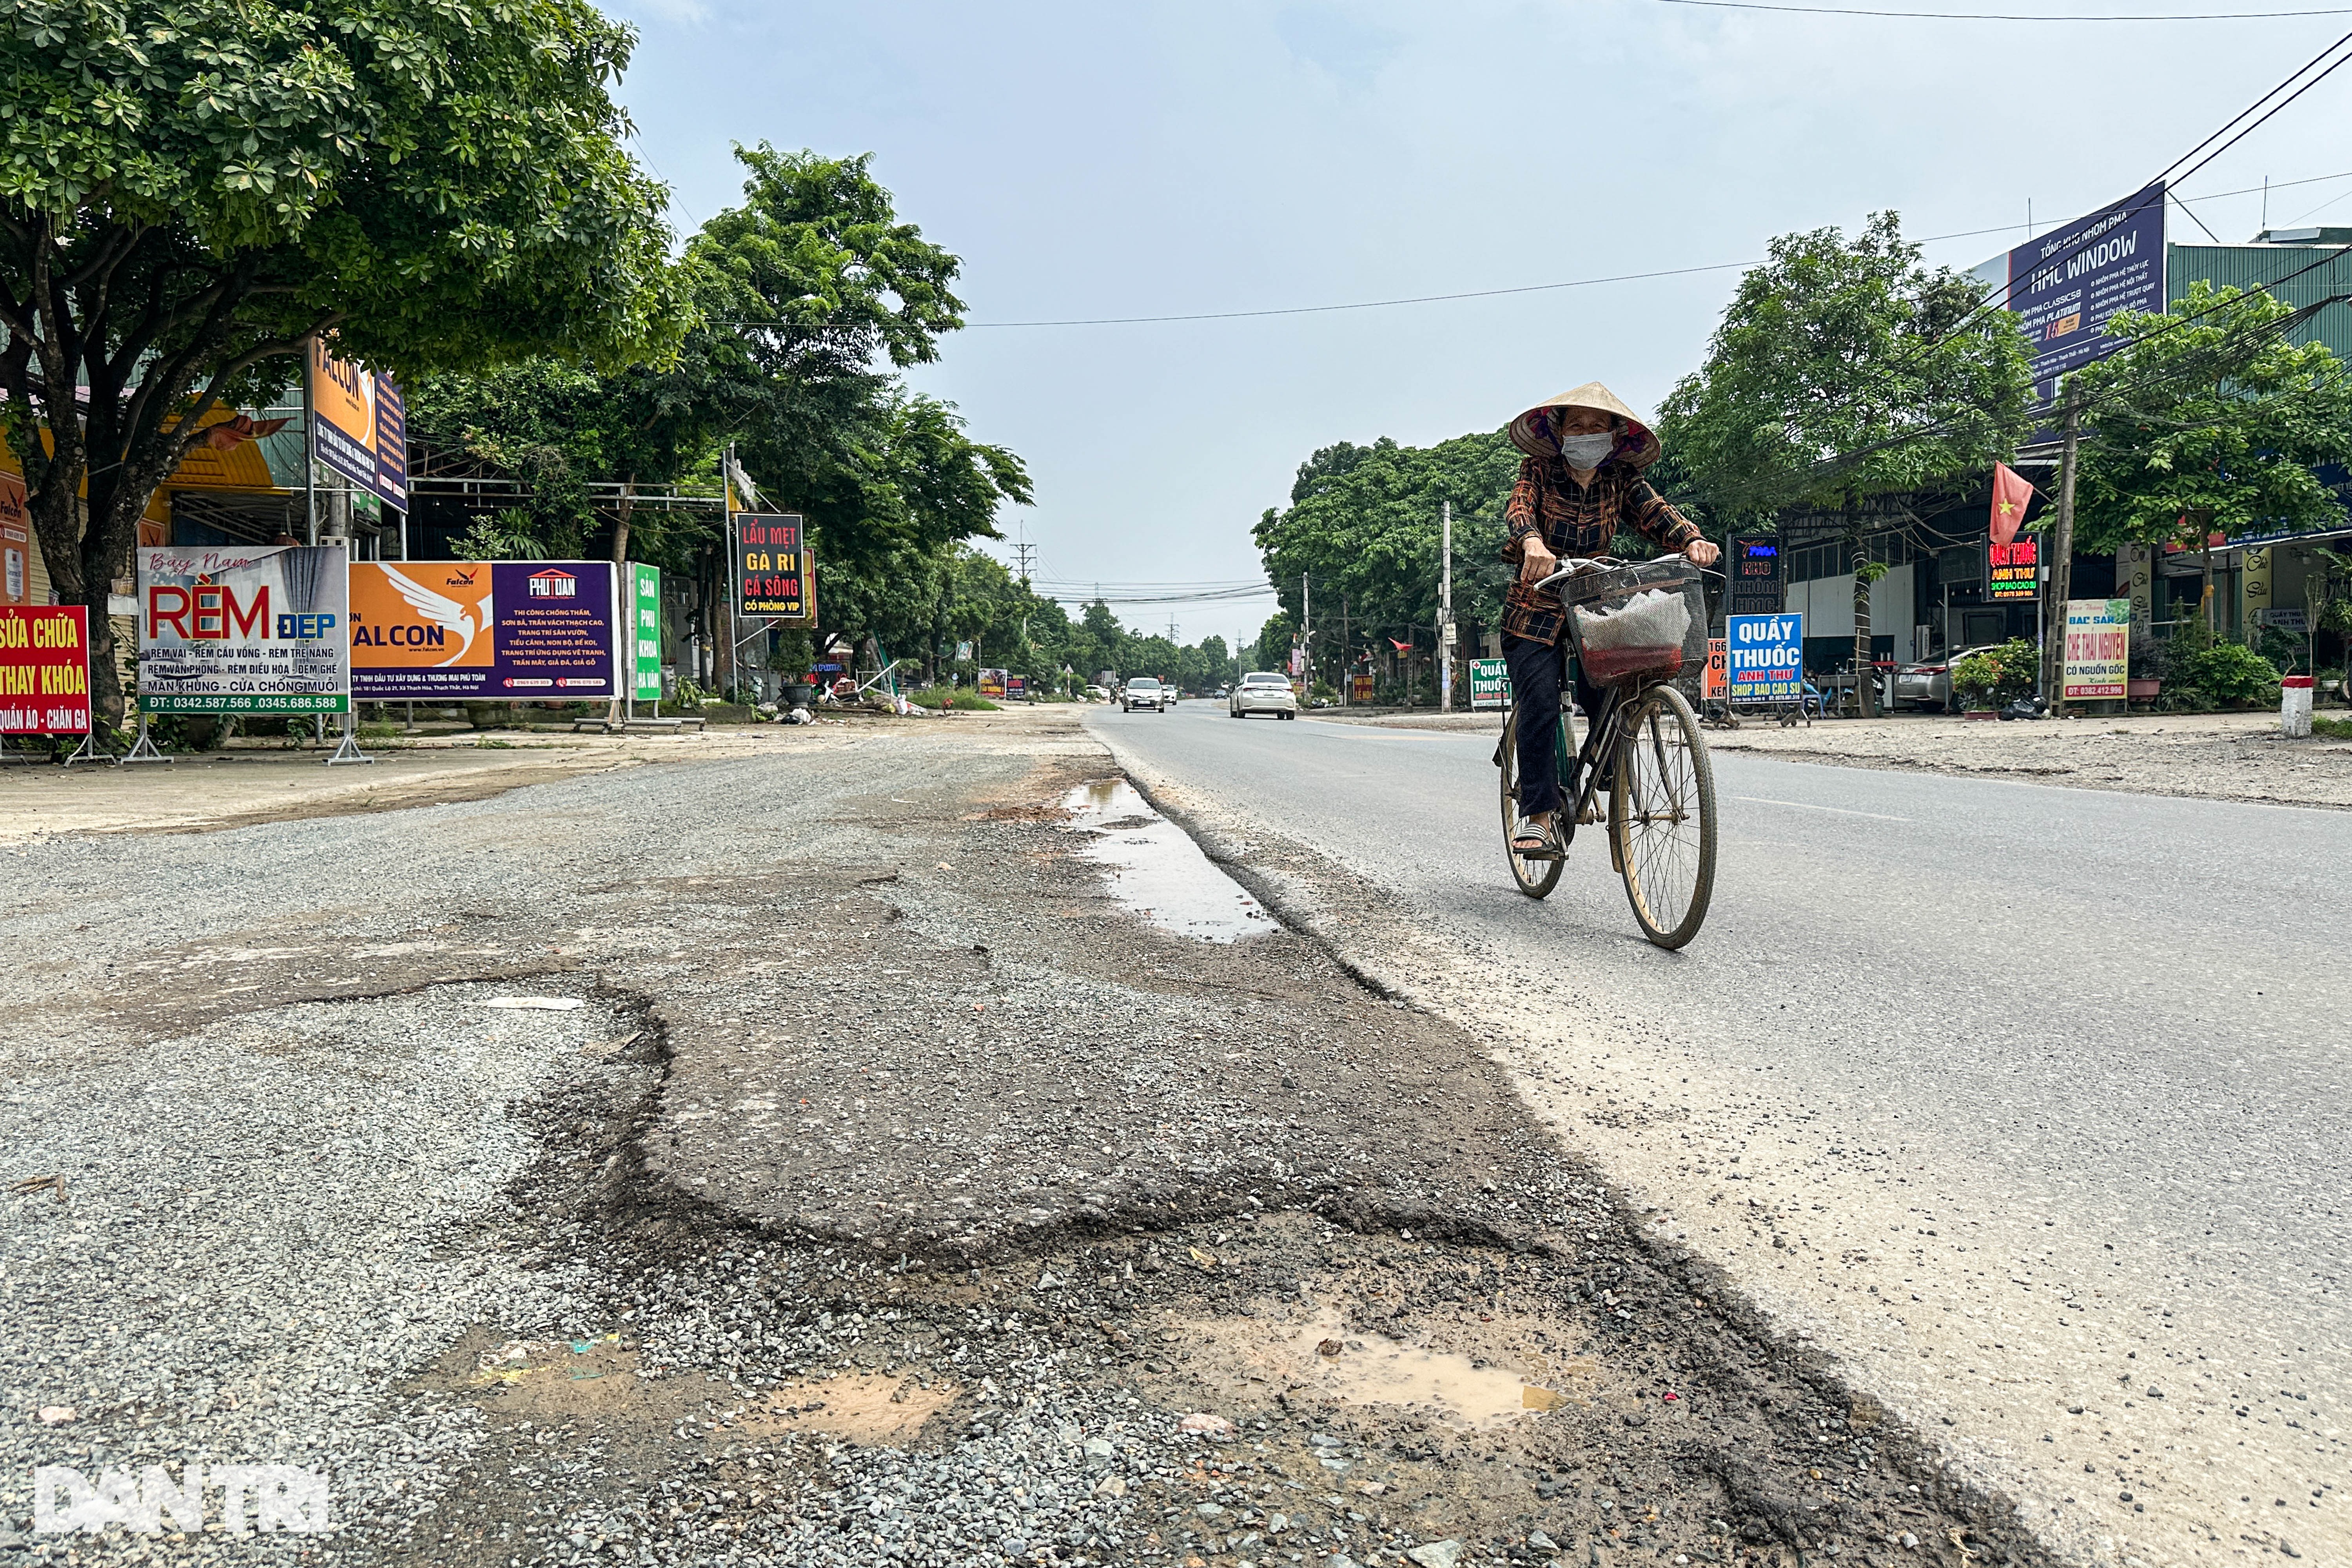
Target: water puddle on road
(1157, 870)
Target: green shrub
(1998, 676)
(2230, 674)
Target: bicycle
(1645, 742)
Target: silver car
(1928, 683)
(1143, 691)
(1262, 691)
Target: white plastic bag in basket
(1653, 618)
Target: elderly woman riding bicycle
(1579, 485)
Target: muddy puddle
(1155, 869)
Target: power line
(1483, 293)
(2008, 16)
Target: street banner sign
(238, 629)
(2098, 649)
(2013, 571)
(1711, 688)
(15, 541)
(1490, 683)
(991, 683)
(645, 633)
(2065, 285)
(1360, 687)
(507, 631)
(43, 670)
(1016, 687)
(1757, 577)
(358, 426)
(771, 569)
(1765, 657)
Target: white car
(1143, 691)
(1262, 691)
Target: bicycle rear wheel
(1535, 878)
(1662, 817)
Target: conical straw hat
(1532, 432)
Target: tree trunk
(1866, 686)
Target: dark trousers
(1536, 672)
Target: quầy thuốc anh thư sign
(1764, 656)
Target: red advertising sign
(2013, 571)
(1718, 662)
(43, 670)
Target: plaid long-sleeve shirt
(1578, 521)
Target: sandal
(1532, 840)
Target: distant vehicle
(1928, 683)
(1097, 694)
(1262, 691)
(1143, 691)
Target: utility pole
(1445, 613)
(1307, 633)
(2061, 562)
(1347, 663)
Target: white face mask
(1588, 452)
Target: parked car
(1928, 683)
(1143, 691)
(1097, 694)
(1262, 691)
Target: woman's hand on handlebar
(1536, 561)
(1700, 553)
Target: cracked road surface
(2027, 1103)
(806, 1158)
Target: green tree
(190, 190)
(1365, 523)
(2208, 421)
(1843, 370)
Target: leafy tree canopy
(1364, 523)
(189, 189)
(1846, 368)
(2209, 421)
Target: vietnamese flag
(2011, 496)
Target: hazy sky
(1139, 159)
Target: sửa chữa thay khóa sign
(43, 670)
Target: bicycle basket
(1638, 624)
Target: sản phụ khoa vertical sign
(358, 426)
(1764, 657)
(2098, 649)
(771, 578)
(513, 631)
(43, 670)
(645, 633)
(233, 629)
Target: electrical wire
(2008, 16)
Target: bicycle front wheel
(1662, 817)
(1536, 878)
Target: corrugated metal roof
(2252, 266)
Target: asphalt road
(2042, 1093)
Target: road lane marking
(1800, 805)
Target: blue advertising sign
(1765, 657)
(2065, 285)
